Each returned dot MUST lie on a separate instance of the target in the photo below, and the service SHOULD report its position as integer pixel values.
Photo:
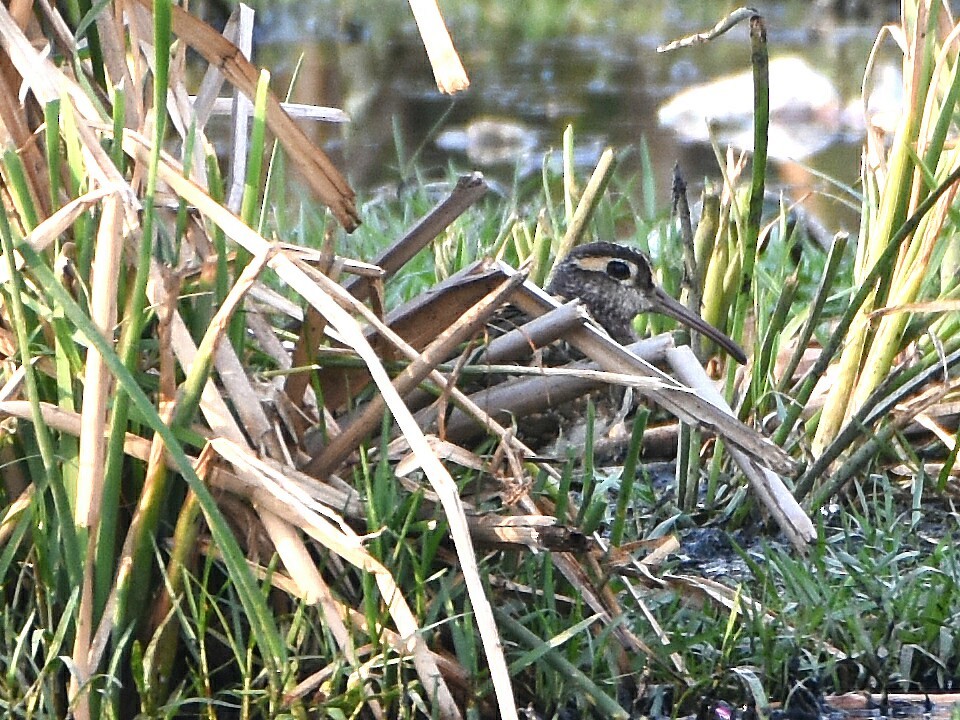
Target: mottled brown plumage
(616, 283)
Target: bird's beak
(666, 305)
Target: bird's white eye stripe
(601, 264)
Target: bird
(616, 283)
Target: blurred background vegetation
(537, 67)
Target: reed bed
(243, 477)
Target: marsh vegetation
(246, 467)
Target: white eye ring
(619, 269)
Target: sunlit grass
(162, 554)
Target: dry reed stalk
(317, 170)
(447, 68)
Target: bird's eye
(618, 270)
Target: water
(596, 69)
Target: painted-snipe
(616, 283)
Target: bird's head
(616, 284)
(611, 280)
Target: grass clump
(231, 487)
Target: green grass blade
(259, 616)
(51, 479)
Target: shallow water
(532, 75)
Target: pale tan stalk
(96, 393)
(447, 68)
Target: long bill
(666, 305)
